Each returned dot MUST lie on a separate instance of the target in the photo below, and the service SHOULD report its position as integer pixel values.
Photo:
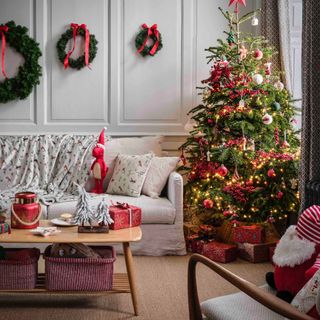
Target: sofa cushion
(129, 174)
(131, 146)
(159, 210)
(238, 306)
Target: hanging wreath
(90, 50)
(29, 73)
(142, 38)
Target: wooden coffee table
(122, 282)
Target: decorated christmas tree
(241, 158)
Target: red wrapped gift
(254, 252)
(248, 234)
(124, 216)
(219, 252)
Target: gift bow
(151, 30)
(3, 30)
(124, 205)
(75, 27)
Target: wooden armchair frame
(265, 298)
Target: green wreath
(78, 63)
(141, 38)
(29, 73)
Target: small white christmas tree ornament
(102, 215)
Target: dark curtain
(270, 28)
(310, 148)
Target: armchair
(262, 305)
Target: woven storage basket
(78, 274)
(19, 274)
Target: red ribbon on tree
(236, 8)
(3, 30)
(151, 31)
(75, 27)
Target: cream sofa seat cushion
(154, 211)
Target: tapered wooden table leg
(131, 276)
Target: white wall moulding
(21, 112)
(129, 94)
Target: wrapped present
(226, 231)
(271, 233)
(248, 234)
(254, 252)
(219, 252)
(124, 216)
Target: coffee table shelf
(120, 285)
(122, 282)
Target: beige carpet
(162, 284)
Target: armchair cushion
(246, 308)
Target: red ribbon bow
(75, 27)
(3, 30)
(151, 30)
(122, 205)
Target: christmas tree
(84, 213)
(241, 158)
(102, 215)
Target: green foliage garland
(80, 62)
(29, 73)
(140, 38)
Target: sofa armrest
(175, 194)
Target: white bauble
(267, 119)
(254, 21)
(257, 78)
(279, 85)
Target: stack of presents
(254, 243)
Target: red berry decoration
(258, 54)
(222, 171)
(271, 173)
(208, 203)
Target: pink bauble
(279, 195)
(271, 173)
(258, 54)
(222, 171)
(208, 203)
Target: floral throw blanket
(45, 164)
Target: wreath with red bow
(20, 86)
(142, 38)
(90, 50)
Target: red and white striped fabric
(308, 226)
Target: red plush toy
(297, 256)
(99, 167)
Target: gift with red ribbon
(124, 216)
(3, 31)
(219, 252)
(75, 29)
(253, 234)
(151, 31)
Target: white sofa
(162, 218)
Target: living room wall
(129, 94)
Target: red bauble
(279, 195)
(222, 171)
(208, 203)
(271, 173)
(258, 54)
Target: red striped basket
(19, 274)
(78, 274)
